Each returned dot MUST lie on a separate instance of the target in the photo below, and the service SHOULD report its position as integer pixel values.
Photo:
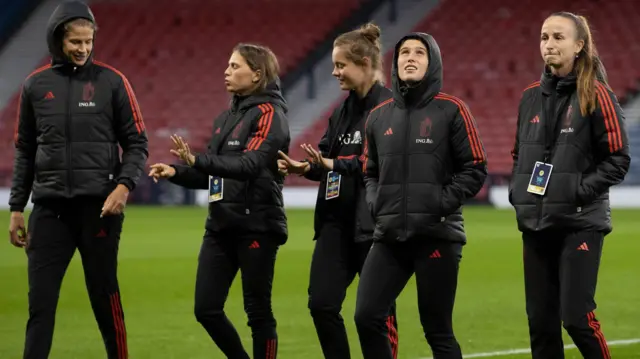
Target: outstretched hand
(182, 150)
(316, 157)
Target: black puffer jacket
(70, 124)
(243, 151)
(343, 142)
(589, 154)
(424, 158)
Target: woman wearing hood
(74, 114)
(424, 159)
(246, 222)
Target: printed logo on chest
(425, 132)
(88, 92)
(566, 121)
(350, 138)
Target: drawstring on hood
(420, 93)
(64, 13)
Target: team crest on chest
(88, 91)
(566, 121)
(425, 131)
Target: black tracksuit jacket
(424, 158)
(243, 150)
(343, 141)
(589, 154)
(71, 120)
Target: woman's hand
(182, 150)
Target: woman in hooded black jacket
(570, 148)
(343, 224)
(246, 222)
(424, 159)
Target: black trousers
(387, 269)
(218, 263)
(336, 261)
(560, 275)
(56, 229)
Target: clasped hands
(286, 165)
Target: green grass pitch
(158, 256)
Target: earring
(577, 55)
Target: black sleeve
(131, 134)
(316, 171)
(610, 135)
(24, 160)
(349, 165)
(270, 132)
(514, 150)
(189, 177)
(470, 162)
(370, 164)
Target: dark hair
(361, 43)
(588, 66)
(82, 22)
(262, 59)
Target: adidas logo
(535, 119)
(388, 132)
(254, 245)
(435, 254)
(49, 96)
(583, 247)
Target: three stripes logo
(435, 254)
(583, 247)
(49, 96)
(388, 132)
(535, 119)
(254, 245)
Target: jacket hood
(430, 85)
(271, 94)
(64, 13)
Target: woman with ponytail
(343, 223)
(570, 148)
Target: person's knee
(206, 312)
(367, 317)
(259, 314)
(322, 305)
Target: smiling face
(349, 74)
(77, 42)
(559, 44)
(413, 60)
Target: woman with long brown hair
(570, 148)
(246, 223)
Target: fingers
(284, 156)
(18, 237)
(106, 208)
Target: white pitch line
(612, 343)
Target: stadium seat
(490, 53)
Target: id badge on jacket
(540, 178)
(216, 188)
(333, 185)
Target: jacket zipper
(68, 135)
(551, 116)
(405, 168)
(247, 210)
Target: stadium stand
(490, 55)
(175, 53)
